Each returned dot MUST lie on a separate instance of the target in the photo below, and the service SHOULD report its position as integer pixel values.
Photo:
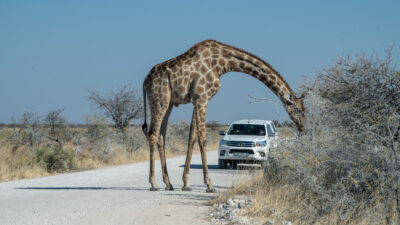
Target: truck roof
(252, 121)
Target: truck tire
(221, 164)
(234, 165)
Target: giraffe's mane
(258, 58)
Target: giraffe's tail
(144, 126)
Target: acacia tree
(121, 105)
(54, 120)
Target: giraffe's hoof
(186, 188)
(169, 188)
(153, 189)
(211, 190)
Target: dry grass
(18, 163)
(289, 202)
(106, 148)
(292, 203)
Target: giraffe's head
(296, 111)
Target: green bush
(56, 159)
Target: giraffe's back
(189, 75)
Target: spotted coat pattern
(194, 77)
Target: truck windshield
(247, 129)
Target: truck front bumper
(245, 155)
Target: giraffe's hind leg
(161, 149)
(157, 114)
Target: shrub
(344, 168)
(56, 159)
(97, 128)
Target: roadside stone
(230, 212)
(242, 204)
(230, 202)
(269, 223)
(286, 223)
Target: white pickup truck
(246, 141)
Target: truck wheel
(221, 164)
(234, 165)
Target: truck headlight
(223, 142)
(261, 143)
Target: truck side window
(273, 127)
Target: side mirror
(222, 132)
(271, 134)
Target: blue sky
(52, 52)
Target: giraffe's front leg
(201, 129)
(192, 140)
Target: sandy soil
(115, 195)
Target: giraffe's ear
(301, 101)
(301, 98)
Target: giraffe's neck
(240, 61)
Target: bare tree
(28, 132)
(121, 106)
(28, 119)
(54, 120)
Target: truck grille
(240, 143)
(248, 151)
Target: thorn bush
(56, 159)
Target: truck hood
(244, 138)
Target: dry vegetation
(344, 169)
(32, 149)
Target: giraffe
(194, 77)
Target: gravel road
(115, 195)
